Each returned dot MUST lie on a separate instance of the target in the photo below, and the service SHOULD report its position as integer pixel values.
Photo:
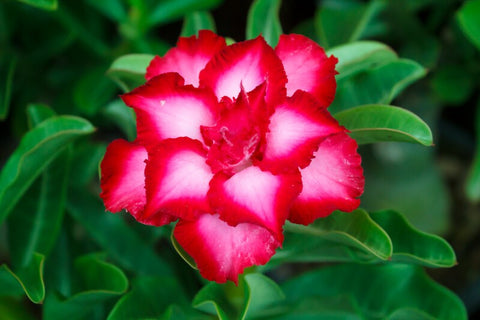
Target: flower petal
(222, 251)
(123, 177)
(188, 58)
(308, 68)
(296, 128)
(333, 181)
(248, 64)
(166, 108)
(255, 196)
(177, 180)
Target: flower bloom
(232, 141)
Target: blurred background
(60, 58)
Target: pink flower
(232, 141)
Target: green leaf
(37, 113)
(411, 245)
(388, 229)
(378, 85)
(169, 10)
(128, 71)
(113, 9)
(212, 299)
(93, 91)
(114, 235)
(149, 299)
(263, 20)
(379, 291)
(182, 253)
(453, 84)
(123, 117)
(196, 21)
(30, 278)
(339, 22)
(97, 282)
(7, 92)
(35, 222)
(37, 149)
(359, 56)
(355, 229)
(468, 19)
(42, 4)
(85, 162)
(261, 293)
(376, 123)
(11, 308)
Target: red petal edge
(221, 251)
(189, 57)
(307, 67)
(333, 181)
(177, 181)
(123, 178)
(165, 108)
(248, 64)
(296, 129)
(255, 196)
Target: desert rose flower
(232, 141)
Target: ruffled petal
(307, 67)
(248, 64)
(255, 196)
(333, 181)
(188, 58)
(123, 177)
(296, 129)
(177, 180)
(221, 251)
(166, 108)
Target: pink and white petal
(123, 177)
(333, 181)
(248, 64)
(255, 196)
(221, 251)
(166, 109)
(177, 180)
(188, 58)
(296, 128)
(308, 68)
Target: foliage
(61, 72)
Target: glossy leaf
(378, 85)
(212, 299)
(37, 149)
(97, 281)
(411, 245)
(379, 291)
(263, 20)
(359, 56)
(469, 22)
(261, 293)
(30, 278)
(170, 10)
(37, 113)
(408, 244)
(35, 222)
(123, 117)
(114, 235)
(339, 22)
(128, 71)
(196, 21)
(42, 4)
(377, 123)
(149, 298)
(355, 229)
(6, 92)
